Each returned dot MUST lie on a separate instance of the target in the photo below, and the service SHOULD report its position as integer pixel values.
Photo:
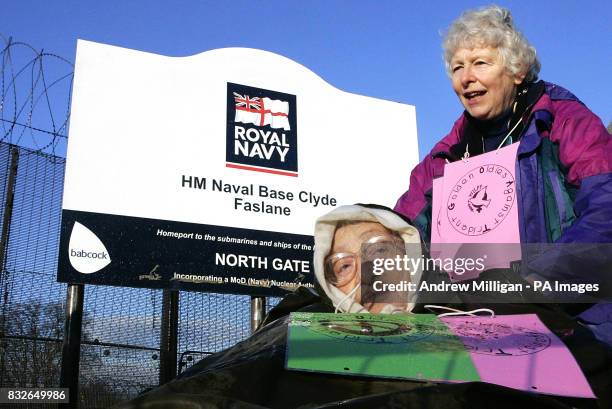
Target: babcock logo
(261, 130)
(86, 252)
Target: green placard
(381, 345)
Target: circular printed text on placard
(372, 329)
(500, 339)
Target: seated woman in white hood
(347, 242)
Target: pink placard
(479, 199)
(475, 203)
(519, 352)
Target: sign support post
(71, 348)
(168, 336)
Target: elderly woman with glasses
(348, 242)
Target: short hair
(492, 27)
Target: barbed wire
(35, 97)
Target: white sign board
(180, 166)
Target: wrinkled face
(348, 240)
(482, 83)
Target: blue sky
(384, 49)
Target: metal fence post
(258, 311)
(8, 206)
(71, 348)
(169, 336)
(4, 236)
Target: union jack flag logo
(261, 111)
(244, 101)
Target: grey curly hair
(492, 27)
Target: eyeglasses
(341, 268)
